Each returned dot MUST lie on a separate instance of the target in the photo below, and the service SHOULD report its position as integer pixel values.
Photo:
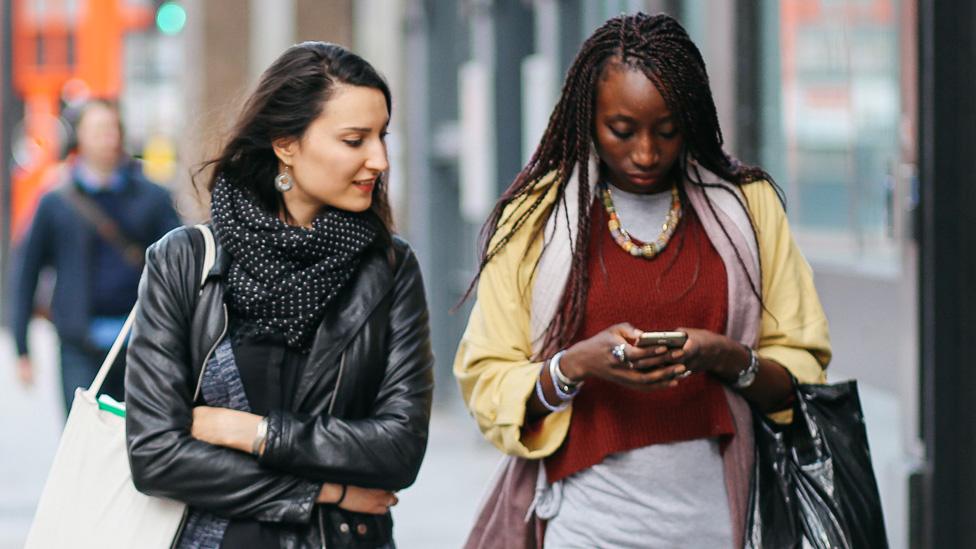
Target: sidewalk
(435, 513)
(32, 421)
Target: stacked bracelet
(542, 396)
(566, 388)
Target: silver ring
(619, 353)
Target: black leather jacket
(360, 417)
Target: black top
(270, 371)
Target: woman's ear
(285, 149)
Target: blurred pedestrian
(92, 228)
(289, 399)
(630, 217)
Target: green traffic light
(170, 18)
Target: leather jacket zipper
(223, 332)
(321, 529)
(335, 393)
(179, 531)
(196, 395)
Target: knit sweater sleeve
(793, 329)
(494, 365)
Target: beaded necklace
(634, 247)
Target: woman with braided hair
(630, 217)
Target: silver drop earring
(283, 181)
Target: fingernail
(661, 350)
(677, 354)
(679, 370)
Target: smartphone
(672, 340)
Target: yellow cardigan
(493, 362)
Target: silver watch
(748, 375)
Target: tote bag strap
(209, 258)
(209, 252)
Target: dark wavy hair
(659, 47)
(290, 95)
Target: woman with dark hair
(286, 399)
(630, 217)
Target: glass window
(831, 107)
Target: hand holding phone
(671, 340)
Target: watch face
(747, 376)
(743, 382)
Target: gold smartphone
(672, 340)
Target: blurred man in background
(92, 228)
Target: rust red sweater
(683, 286)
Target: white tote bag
(89, 501)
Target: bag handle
(209, 253)
(209, 258)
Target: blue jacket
(60, 238)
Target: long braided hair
(661, 48)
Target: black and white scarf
(281, 277)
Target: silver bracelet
(567, 385)
(565, 388)
(260, 437)
(542, 396)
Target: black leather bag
(813, 477)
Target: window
(831, 109)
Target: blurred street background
(856, 107)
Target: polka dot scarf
(282, 277)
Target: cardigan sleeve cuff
(509, 432)
(799, 362)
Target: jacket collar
(221, 263)
(221, 258)
(344, 318)
(342, 321)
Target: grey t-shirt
(658, 496)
